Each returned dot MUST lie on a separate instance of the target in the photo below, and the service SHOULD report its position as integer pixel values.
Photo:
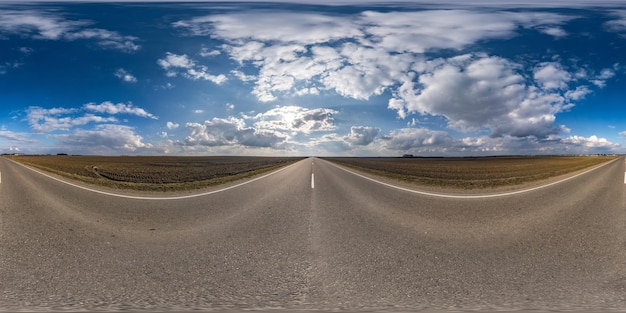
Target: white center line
(312, 181)
(624, 177)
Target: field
(473, 173)
(153, 173)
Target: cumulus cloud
(270, 129)
(49, 26)
(171, 125)
(361, 135)
(475, 92)
(296, 119)
(371, 53)
(407, 139)
(589, 144)
(104, 138)
(551, 75)
(174, 64)
(230, 132)
(172, 61)
(357, 56)
(329, 143)
(427, 142)
(125, 76)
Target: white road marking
(156, 198)
(495, 195)
(0, 177)
(312, 181)
(625, 178)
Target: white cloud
(551, 75)
(230, 132)
(606, 74)
(173, 63)
(421, 31)
(107, 39)
(293, 27)
(328, 144)
(296, 119)
(307, 52)
(105, 139)
(48, 26)
(14, 137)
(418, 139)
(427, 142)
(361, 135)
(619, 24)
(556, 32)
(171, 125)
(242, 76)
(119, 108)
(125, 76)
(63, 119)
(26, 50)
(47, 120)
(39, 25)
(477, 92)
(206, 53)
(201, 73)
(577, 94)
(592, 142)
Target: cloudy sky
(256, 78)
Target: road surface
(313, 236)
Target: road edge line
(481, 196)
(154, 198)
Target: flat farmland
(154, 173)
(473, 173)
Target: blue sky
(447, 78)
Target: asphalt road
(313, 236)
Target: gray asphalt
(348, 244)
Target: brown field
(473, 173)
(154, 173)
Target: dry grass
(473, 173)
(154, 173)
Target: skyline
(291, 78)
